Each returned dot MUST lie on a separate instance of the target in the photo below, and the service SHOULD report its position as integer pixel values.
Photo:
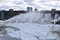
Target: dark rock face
(4, 15)
(58, 22)
(52, 22)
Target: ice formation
(32, 17)
(34, 31)
(33, 26)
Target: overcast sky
(22, 4)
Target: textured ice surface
(34, 31)
(33, 26)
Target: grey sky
(22, 4)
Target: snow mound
(34, 31)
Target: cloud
(15, 4)
(52, 4)
(22, 4)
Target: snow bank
(34, 31)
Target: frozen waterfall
(33, 26)
(31, 17)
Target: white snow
(33, 26)
(22, 35)
(31, 17)
(34, 29)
